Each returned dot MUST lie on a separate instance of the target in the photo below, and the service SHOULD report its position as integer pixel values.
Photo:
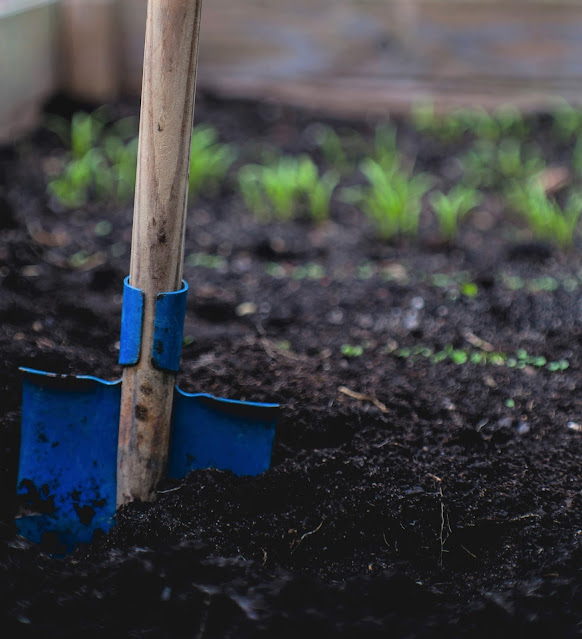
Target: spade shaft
(89, 445)
(165, 132)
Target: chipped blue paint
(68, 457)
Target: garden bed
(426, 471)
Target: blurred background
(352, 57)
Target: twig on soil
(478, 342)
(169, 490)
(363, 398)
(304, 535)
(468, 552)
(444, 520)
(272, 350)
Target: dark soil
(406, 498)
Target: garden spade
(88, 445)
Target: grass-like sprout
(210, 160)
(85, 166)
(278, 190)
(506, 120)
(446, 128)
(71, 187)
(567, 121)
(452, 208)
(385, 152)
(123, 158)
(332, 149)
(488, 164)
(547, 220)
(82, 133)
(392, 200)
(101, 159)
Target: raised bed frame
(354, 56)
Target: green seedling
(452, 127)
(392, 200)
(505, 121)
(206, 260)
(82, 133)
(488, 164)
(469, 289)
(85, 169)
(72, 187)
(447, 128)
(567, 121)
(350, 350)
(275, 270)
(280, 189)
(310, 271)
(511, 121)
(546, 219)
(479, 357)
(101, 159)
(560, 365)
(385, 152)
(209, 160)
(103, 228)
(479, 123)
(122, 157)
(332, 149)
(452, 208)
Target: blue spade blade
(220, 433)
(68, 456)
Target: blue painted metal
(131, 324)
(68, 458)
(169, 329)
(208, 432)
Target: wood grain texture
(167, 109)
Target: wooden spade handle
(157, 250)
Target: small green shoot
(392, 200)
(547, 220)
(385, 151)
(82, 133)
(489, 164)
(469, 289)
(101, 159)
(480, 357)
(278, 190)
(452, 208)
(332, 149)
(453, 126)
(567, 121)
(446, 128)
(350, 350)
(209, 160)
(206, 260)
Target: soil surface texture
(409, 495)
